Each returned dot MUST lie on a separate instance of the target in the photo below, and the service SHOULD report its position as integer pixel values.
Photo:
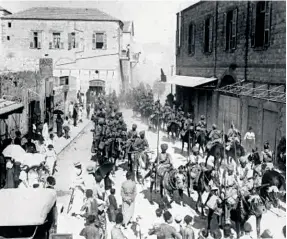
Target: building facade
(242, 46)
(84, 43)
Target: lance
(225, 172)
(157, 147)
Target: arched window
(191, 39)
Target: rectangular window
(231, 30)
(99, 40)
(57, 44)
(9, 24)
(36, 40)
(208, 34)
(191, 39)
(71, 40)
(8, 38)
(260, 29)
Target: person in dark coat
(59, 123)
(30, 147)
(75, 114)
(18, 138)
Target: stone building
(85, 44)
(230, 65)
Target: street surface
(80, 150)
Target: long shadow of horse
(178, 151)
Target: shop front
(95, 88)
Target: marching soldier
(202, 123)
(215, 137)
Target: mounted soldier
(233, 135)
(215, 136)
(201, 126)
(267, 156)
(245, 175)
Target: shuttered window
(36, 39)
(208, 35)
(191, 39)
(230, 33)
(99, 40)
(260, 24)
(71, 40)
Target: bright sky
(154, 21)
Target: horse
(201, 139)
(218, 151)
(188, 137)
(173, 128)
(155, 121)
(200, 184)
(170, 182)
(272, 182)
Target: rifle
(71, 201)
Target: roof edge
(192, 6)
(49, 19)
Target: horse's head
(254, 157)
(273, 195)
(256, 204)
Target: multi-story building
(230, 65)
(83, 43)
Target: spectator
(88, 109)
(158, 213)
(75, 114)
(108, 182)
(128, 193)
(165, 230)
(45, 130)
(66, 128)
(18, 138)
(71, 110)
(116, 232)
(91, 231)
(10, 174)
(249, 140)
(50, 141)
(51, 158)
(203, 234)
(177, 223)
(247, 231)
(41, 146)
(284, 231)
(90, 206)
(50, 182)
(80, 113)
(59, 123)
(187, 231)
(30, 147)
(113, 205)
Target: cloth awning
(190, 81)
(25, 207)
(10, 107)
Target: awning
(10, 107)
(263, 91)
(190, 81)
(25, 207)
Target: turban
(230, 167)
(142, 132)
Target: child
(90, 207)
(177, 223)
(113, 206)
(158, 213)
(51, 159)
(66, 128)
(151, 174)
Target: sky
(154, 21)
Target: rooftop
(4, 10)
(57, 13)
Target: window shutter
(267, 23)
(62, 45)
(105, 42)
(77, 37)
(94, 41)
(39, 40)
(210, 34)
(69, 41)
(253, 23)
(225, 37)
(193, 35)
(31, 39)
(234, 28)
(203, 36)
